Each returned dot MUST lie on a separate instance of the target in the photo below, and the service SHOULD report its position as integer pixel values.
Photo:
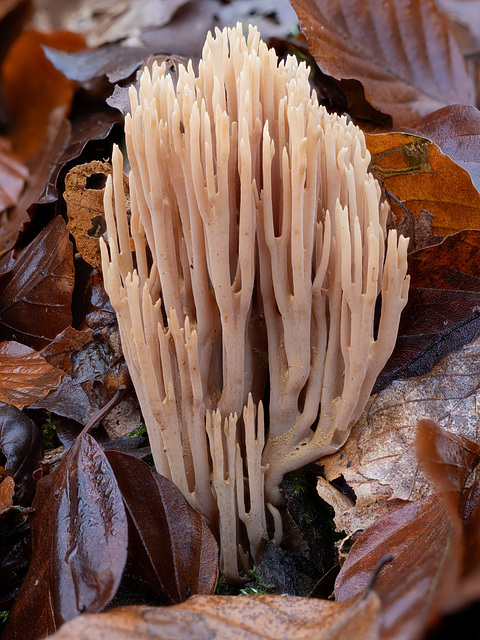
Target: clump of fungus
(246, 310)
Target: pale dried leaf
(241, 618)
(378, 461)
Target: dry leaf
(418, 176)
(84, 197)
(32, 101)
(13, 174)
(381, 449)
(241, 618)
(404, 53)
(103, 21)
(421, 538)
(456, 130)
(7, 491)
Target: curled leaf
(21, 443)
(79, 532)
(25, 376)
(171, 548)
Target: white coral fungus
(245, 281)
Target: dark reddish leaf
(443, 309)
(41, 167)
(447, 458)
(418, 177)
(21, 444)
(35, 303)
(421, 538)
(60, 350)
(79, 532)
(243, 618)
(32, 101)
(171, 548)
(25, 376)
(404, 53)
(450, 460)
(456, 130)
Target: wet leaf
(404, 54)
(59, 352)
(253, 617)
(171, 548)
(35, 303)
(443, 309)
(25, 376)
(32, 101)
(418, 177)
(421, 538)
(79, 532)
(21, 444)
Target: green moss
(141, 431)
(49, 432)
(257, 585)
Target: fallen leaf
(450, 461)
(7, 490)
(443, 309)
(32, 101)
(379, 461)
(79, 532)
(21, 444)
(36, 189)
(84, 186)
(456, 130)
(404, 54)
(171, 548)
(59, 352)
(13, 175)
(417, 176)
(241, 618)
(35, 302)
(421, 539)
(25, 376)
(107, 21)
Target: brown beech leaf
(60, 351)
(422, 540)
(21, 444)
(25, 376)
(456, 130)
(13, 174)
(79, 532)
(171, 548)
(32, 101)
(443, 309)
(241, 618)
(418, 177)
(404, 53)
(450, 460)
(7, 490)
(35, 302)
